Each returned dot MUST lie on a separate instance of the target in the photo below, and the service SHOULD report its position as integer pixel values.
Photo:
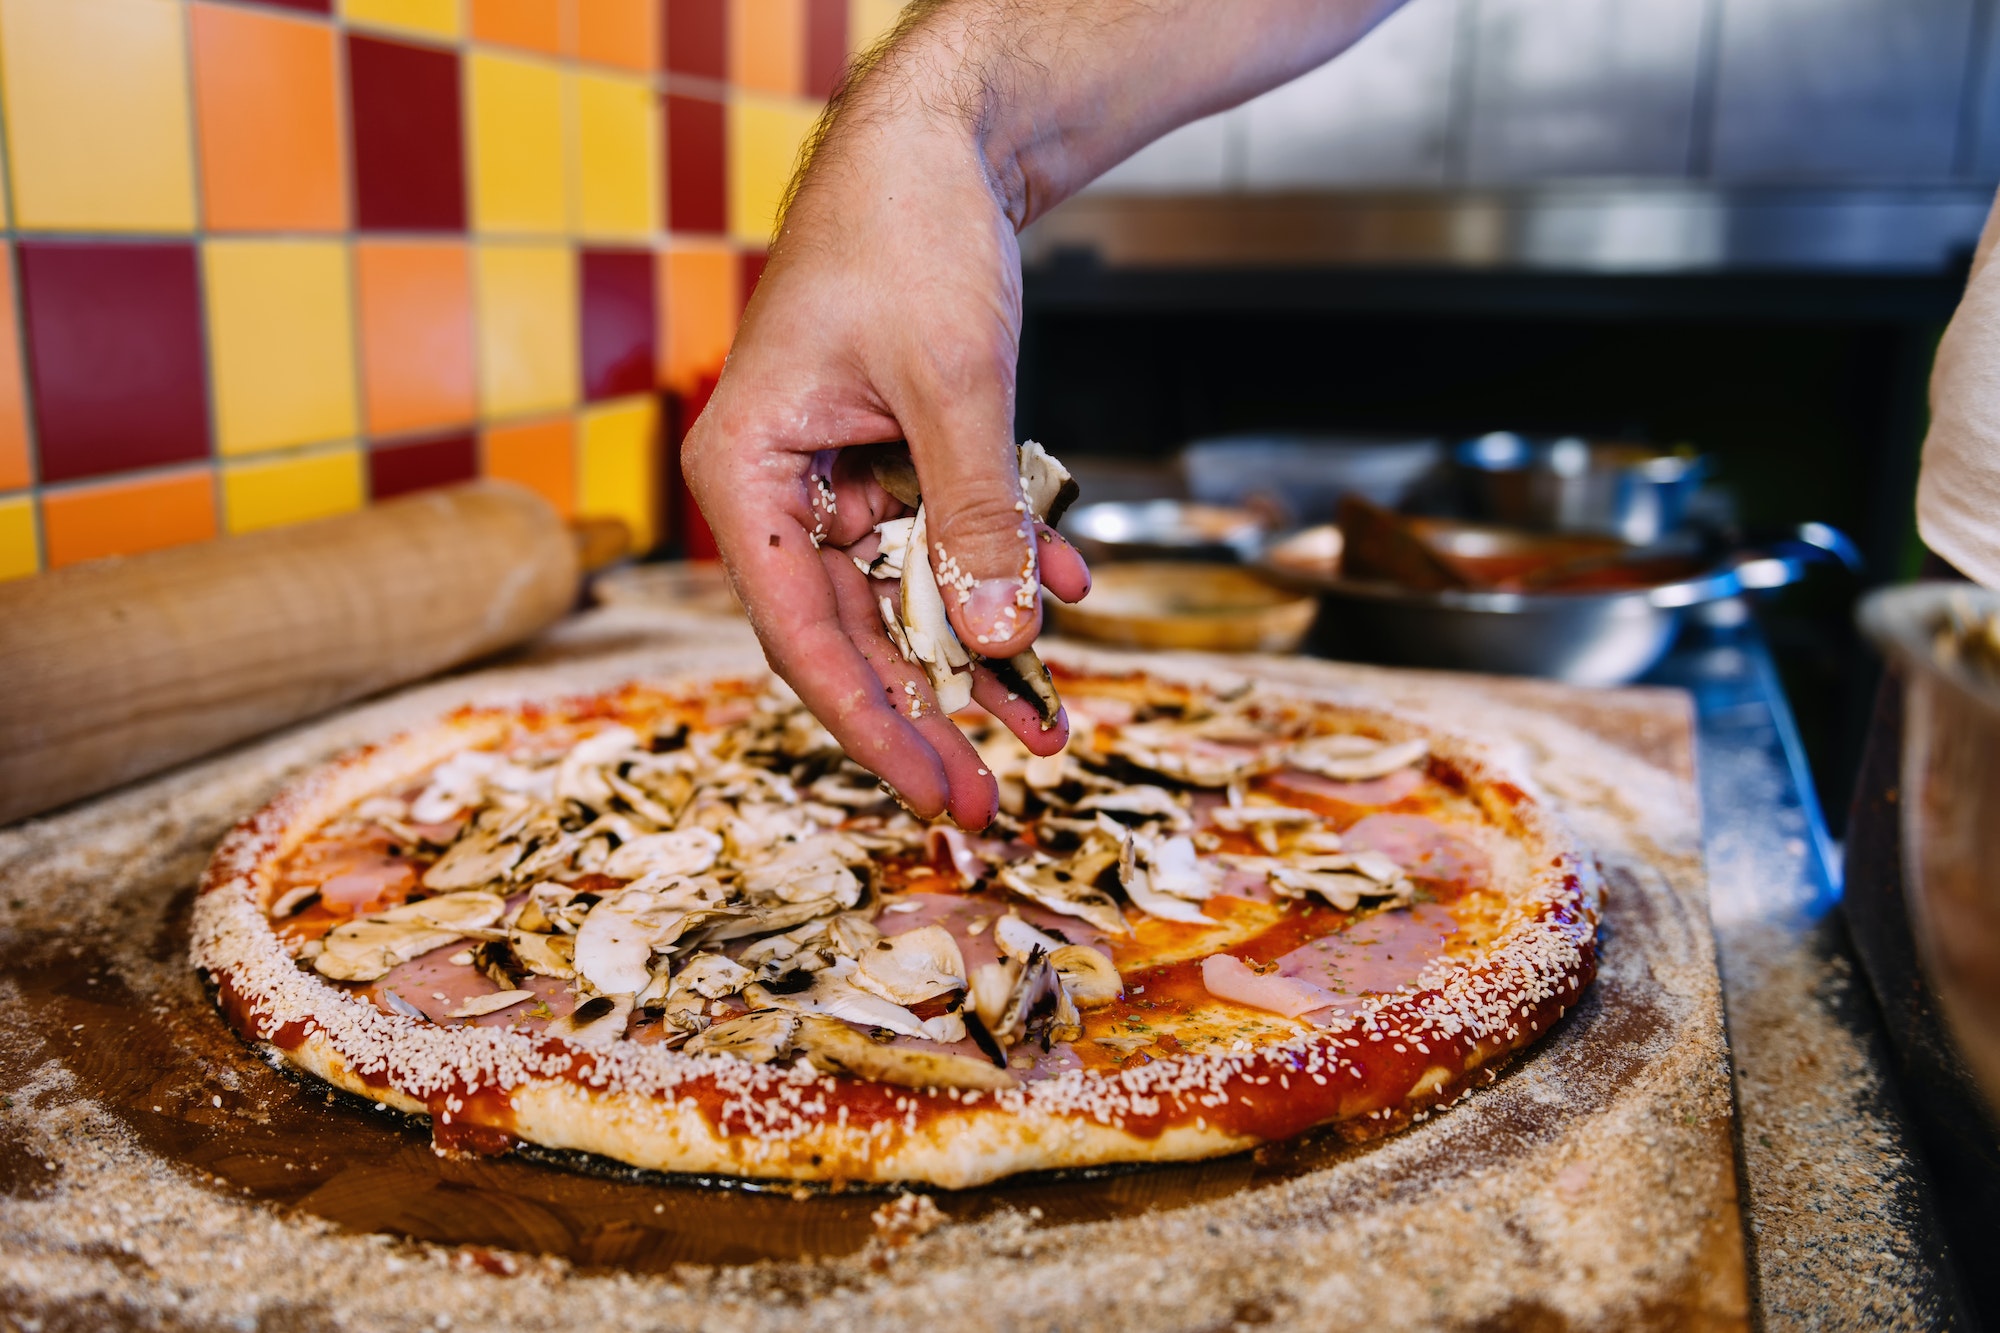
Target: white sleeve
(1958, 488)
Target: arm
(890, 309)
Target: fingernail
(993, 612)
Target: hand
(889, 310)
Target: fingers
(853, 502)
(782, 582)
(972, 795)
(959, 419)
(1018, 714)
(1063, 571)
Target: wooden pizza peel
(154, 1171)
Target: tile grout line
(211, 400)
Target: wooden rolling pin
(120, 668)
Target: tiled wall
(1885, 94)
(267, 260)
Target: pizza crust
(1386, 1062)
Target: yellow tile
(272, 492)
(519, 176)
(527, 328)
(615, 465)
(18, 555)
(435, 18)
(764, 138)
(868, 21)
(97, 114)
(618, 156)
(280, 342)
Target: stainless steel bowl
(1585, 638)
(1163, 530)
(1628, 491)
(1950, 809)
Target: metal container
(1628, 491)
(1950, 807)
(1585, 638)
(1163, 530)
(1299, 479)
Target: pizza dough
(672, 925)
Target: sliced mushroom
(767, 918)
(912, 967)
(853, 934)
(811, 868)
(1176, 868)
(896, 474)
(1343, 888)
(893, 550)
(1087, 975)
(490, 1003)
(1239, 818)
(757, 1037)
(835, 1047)
(988, 990)
(625, 929)
(1137, 881)
(366, 949)
(832, 992)
(1059, 888)
(598, 1021)
(689, 851)
(1355, 758)
(479, 857)
(1141, 800)
(1024, 674)
(495, 958)
(928, 629)
(1046, 484)
(1018, 940)
(545, 955)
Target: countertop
(1839, 1224)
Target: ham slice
(1424, 848)
(1230, 978)
(1377, 791)
(361, 885)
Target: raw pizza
(675, 926)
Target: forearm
(1050, 93)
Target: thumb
(981, 537)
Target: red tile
(114, 355)
(618, 323)
(696, 33)
(398, 469)
(409, 163)
(826, 45)
(697, 165)
(753, 269)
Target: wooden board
(1592, 1185)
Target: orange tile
(127, 517)
(14, 469)
(698, 311)
(267, 109)
(625, 33)
(535, 25)
(416, 335)
(540, 455)
(767, 45)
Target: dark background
(1807, 390)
